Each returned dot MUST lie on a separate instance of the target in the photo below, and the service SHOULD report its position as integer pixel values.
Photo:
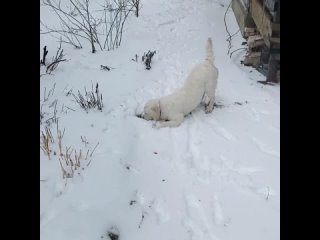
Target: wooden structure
(259, 23)
(241, 11)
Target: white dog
(170, 110)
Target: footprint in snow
(155, 207)
(196, 221)
(264, 148)
(221, 131)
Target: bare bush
(45, 52)
(56, 60)
(90, 100)
(52, 118)
(118, 12)
(70, 159)
(45, 140)
(136, 6)
(81, 23)
(53, 64)
(41, 114)
(60, 136)
(146, 58)
(51, 91)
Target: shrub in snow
(102, 27)
(70, 159)
(90, 100)
(53, 64)
(146, 58)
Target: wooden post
(273, 62)
(272, 71)
(277, 16)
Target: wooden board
(252, 59)
(262, 20)
(242, 16)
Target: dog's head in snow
(152, 110)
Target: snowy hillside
(215, 177)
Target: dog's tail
(210, 56)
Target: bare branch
(94, 149)
(237, 50)
(79, 23)
(45, 52)
(56, 60)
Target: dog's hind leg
(209, 106)
(210, 92)
(175, 122)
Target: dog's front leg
(175, 122)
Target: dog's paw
(208, 110)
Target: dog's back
(204, 71)
(202, 76)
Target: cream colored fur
(169, 111)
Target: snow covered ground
(216, 177)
